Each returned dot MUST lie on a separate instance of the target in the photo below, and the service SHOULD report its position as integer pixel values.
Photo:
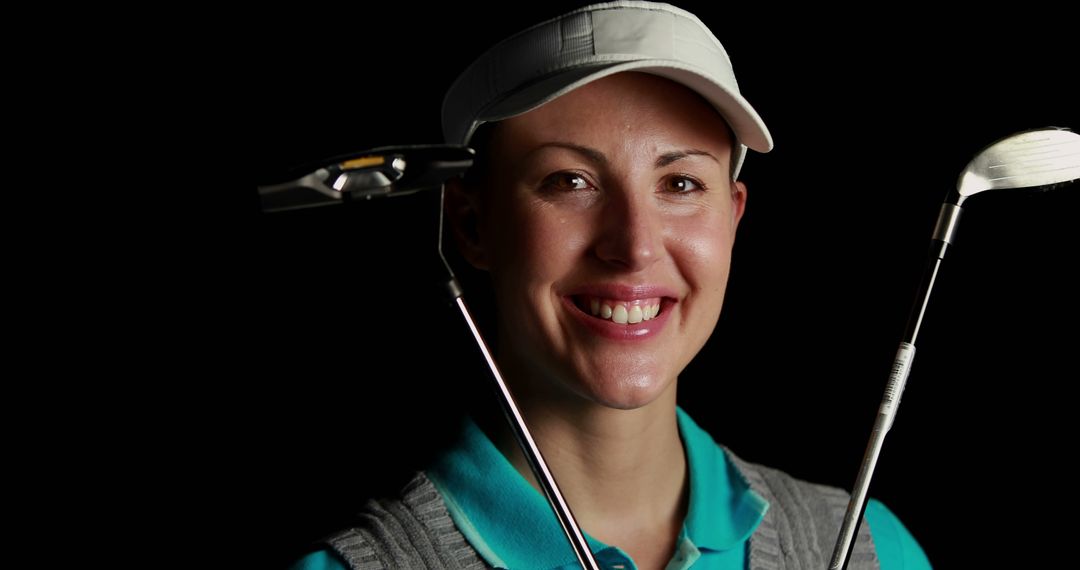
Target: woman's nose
(630, 231)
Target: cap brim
(743, 119)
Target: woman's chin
(626, 392)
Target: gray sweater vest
(416, 531)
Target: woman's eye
(567, 181)
(682, 185)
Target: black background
(359, 368)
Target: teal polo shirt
(511, 526)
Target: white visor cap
(552, 58)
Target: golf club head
(375, 173)
(1028, 159)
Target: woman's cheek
(548, 236)
(703, 240)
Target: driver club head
(1028, 159)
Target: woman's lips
(618, 311)
(615, 327)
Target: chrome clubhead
(386, 171)
(1028, 159)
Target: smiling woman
(604, 207)
(599, 206)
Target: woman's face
(603, 207)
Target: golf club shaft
(529, 448)
(894, 389)
(886, 412)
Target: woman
(604, 205)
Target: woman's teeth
(622, 312)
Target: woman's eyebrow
(590, 153)
(598, 157)
(673, 156)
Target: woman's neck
(623, 472)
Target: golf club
(1034, 159)
(374, 173)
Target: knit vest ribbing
(800, 529)
(415, 530)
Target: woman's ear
(462, 209)
(738, 203)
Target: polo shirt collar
(724, 511)
(511, 525)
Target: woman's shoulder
(894, 545)
(408, 530)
